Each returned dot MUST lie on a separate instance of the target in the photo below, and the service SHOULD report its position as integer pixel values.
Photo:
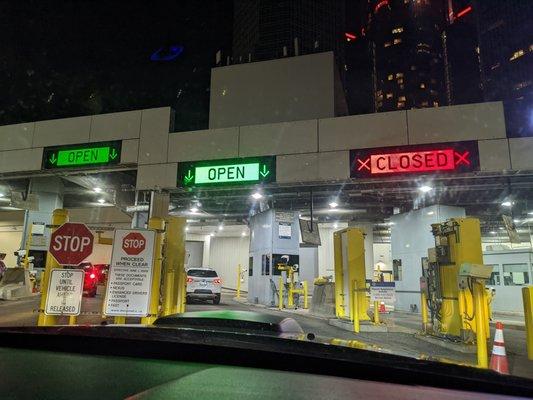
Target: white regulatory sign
(64, 292)
(383, 291)
(130, 273)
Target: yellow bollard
(481, 336)
(355, 308)
(376, 312)
(305, 294)
(239, 281)
(183, 285)
(72, 319)
(280, 293)
(527, 295)
(424, 309)
(120, 320)
(59, 217)
(158, 224)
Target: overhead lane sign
(452, 157)
(82, 155)
(227, 172)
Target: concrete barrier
(323, 301)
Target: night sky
(68, 58)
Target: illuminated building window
(387, 44)
(517, 54)
(398, 30)
(399, 75)
(397, 40)
(400, 104)
(435, 104)
(422, 86)
(380, 97)
(425, 104)
(400, 80)
(401, 98)
(413, 67)
(390, 77)
(389, 95)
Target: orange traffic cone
(382, 308)
(498, 359)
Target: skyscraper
(266, 30)
(505, 41)
(407, 52)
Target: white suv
(203, 283)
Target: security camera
(285, 259)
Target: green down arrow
(113, 154)
(53, 159)
(264, 172)
(189, 177)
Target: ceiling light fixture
(507, 203)
(333, 204)
(101, 201)
(97, 190)
(335, 225)
(243, 233)
(221, 227)
(431, 212)
(194, 209)
(425, 188)
(257, 195)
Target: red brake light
(217, 281)
(92, 276)
(189, 280)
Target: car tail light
(92, 276)
(190, 280)
(217, 281)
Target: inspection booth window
(495, 277)
(397, 270)
(250, 266)
(515, 274)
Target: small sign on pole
(130, 273)
(383, 291)
(64, 292)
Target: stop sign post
(71, 243)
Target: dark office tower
(407, 53)
(506, 46)
(461, 54)
(270, 29)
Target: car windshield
(202, 273)
(363, 168)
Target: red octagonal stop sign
(133, 243)
(71, 243)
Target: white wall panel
(62, 131)
(114, 126)
(21, 160)
(225, 254)
(18, 136)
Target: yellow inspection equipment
(26, 261)
(59, 217)
(157, 224)
(292, 290)
(173, 265)
(349, 267)
(280, 293)
(354, 307)
(527, 295)
(451, 273)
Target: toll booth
(273, 234)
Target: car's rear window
(202, 273)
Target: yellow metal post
(340, 295)
(59, 217)
(183, 285)
(481, 336)
(424, 308)
(305, 294)
(354, 307)
(158, 224)
(72, 319)
(174, 259)
(290, 293)
(280, 293)
(527, 295)
(376, 312)
(238, 281)
(120, 320)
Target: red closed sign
(133, 243)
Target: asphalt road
(24, 313)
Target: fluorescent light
(493, 232)
(502, 228)
(257, 195)
(530, 213)
(516, 220)
(243, 233)
(194, 209)
(335, 225)
(507, 203)
(212, 234)
(186, 228)
(431, 212)
(221, 227)
(425, 188)
(97, 190)
(1, 195)
(333, 204)
(101, 201)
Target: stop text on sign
(71, 243)
(234, 171)
(93, 154)
(133, 243)
(453, 157)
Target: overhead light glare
(257, 195)
(425, 188)
(333, 204)
(97, 190)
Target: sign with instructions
(130, 273)
(383, 291)
(65, 289)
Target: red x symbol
(363, 164)
(462, 158)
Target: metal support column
(157, 224)
(59, 217)
(527, 295)
(174, 262)
(481, 336)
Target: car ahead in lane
(90, 279)
(203, 284)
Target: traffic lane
(19, 312)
